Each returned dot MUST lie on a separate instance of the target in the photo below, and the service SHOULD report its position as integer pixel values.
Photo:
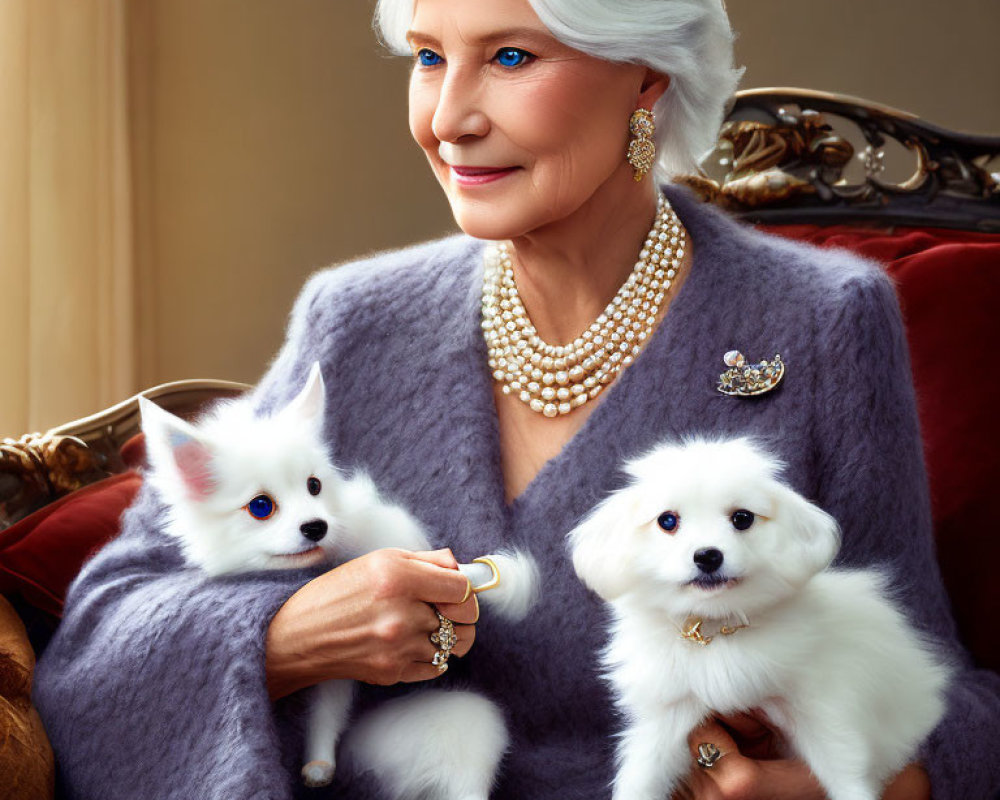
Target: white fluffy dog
(247, 493)
(717, 576)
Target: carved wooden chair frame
(40, 468)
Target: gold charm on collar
(746, 380)
(691, 631)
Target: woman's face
(519, 129)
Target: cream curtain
(66, 276)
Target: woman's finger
(443, 557)
(708, 737)
(723, 771)
(755, 735)
(466, 613)
(466, 638)
(433, 582)
(420, 671)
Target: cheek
(422, 102)
(576, 131)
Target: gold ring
(468, 589)
(494, 581)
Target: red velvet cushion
(41, 554)
(949, 289)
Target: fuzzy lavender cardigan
(154, 685)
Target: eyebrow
(522, 33)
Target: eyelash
(428, 58)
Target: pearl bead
(539, 373)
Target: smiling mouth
(305, 558)
(476, 176)
(713, 582)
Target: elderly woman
(534, 116)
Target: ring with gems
(445, 638)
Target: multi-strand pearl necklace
(553, 379)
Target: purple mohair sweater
(153, 686)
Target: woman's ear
(815, 532)
(602, 545)
(654, 86)
(177, 452)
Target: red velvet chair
(784, 163)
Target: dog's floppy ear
(174, 448)
(602, 545)
(816, 533)
(309, 405)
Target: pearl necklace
(554, 379)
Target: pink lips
(477, 176)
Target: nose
(457, 114)
(313, 530)
(708, 560)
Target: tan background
(269, 138)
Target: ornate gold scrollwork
(37, 469)
(785, 153)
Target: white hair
(689, 40)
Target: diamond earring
(641, 148)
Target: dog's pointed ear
(175, 448)
(601, 544)
(309, 405)
(816, 533)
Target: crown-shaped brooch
(745, 379)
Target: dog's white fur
(207, 473)
(827, 656)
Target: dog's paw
(317, 773)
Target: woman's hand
(753, 766)
(369, 620)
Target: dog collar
(693, 630)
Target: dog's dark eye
(313, 485)
(668, 520)
(261, 507)
(742, 519)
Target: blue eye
(261, 507)
(512, 57)
(428, 58)
(669, 521)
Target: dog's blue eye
(261, 507)
(313, 485)
(668, 520)
(742, 519)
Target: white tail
(517, 582)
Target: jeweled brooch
(745, 379)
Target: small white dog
(717, 576)
(247, 493)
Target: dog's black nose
(708, 560)
(313, 530)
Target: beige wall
(937, 59)
(270, 139)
